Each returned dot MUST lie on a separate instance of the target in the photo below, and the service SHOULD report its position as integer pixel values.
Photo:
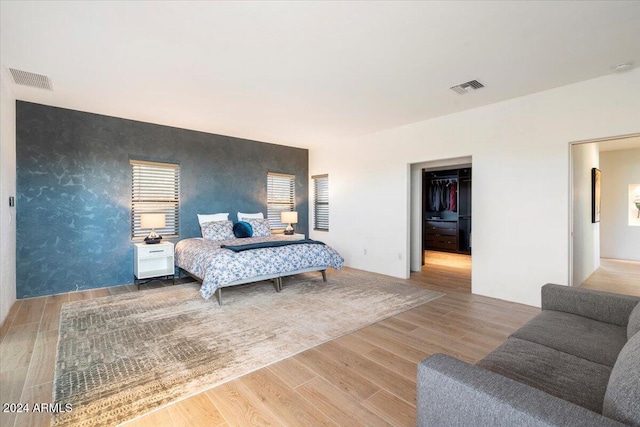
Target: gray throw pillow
(634, 322)
(621, 400)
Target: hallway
(616, 275)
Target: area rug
(123, 356)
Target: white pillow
(212, 217)
(244, 216)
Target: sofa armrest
(453, 393)
(602, 306)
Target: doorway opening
(441, 222)
(605, 232)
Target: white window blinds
(155, 189)
(281, 196)
(320, 202)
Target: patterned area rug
(122, 356)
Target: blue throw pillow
(242, 229)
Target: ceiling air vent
(467, 87)
(26, 78)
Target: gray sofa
(575, 364)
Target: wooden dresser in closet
(441, 235)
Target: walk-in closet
(446, 202)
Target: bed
(217, 267)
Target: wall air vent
(467, 87)
(26, 78)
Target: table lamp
(289, 218)
(152, 221)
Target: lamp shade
(289, 217)
(152, 220)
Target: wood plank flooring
(365, 378)
(616, 275)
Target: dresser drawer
(441, 231)
(441, 242)
(442, 225)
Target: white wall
(520, 151)
(618, 239)
(7, 189)
(586, 235)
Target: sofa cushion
(598, 305)
(634, 322)
(560, 374)
(622, 399)
(586, 338)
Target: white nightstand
(150, 261)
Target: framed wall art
(596, 177)
(634, 205)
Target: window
(320, 202)
(281, 197)
(155, 189)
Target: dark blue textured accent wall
(74, 190)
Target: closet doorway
(446, 207)
(441, 222)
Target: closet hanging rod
(444, 177)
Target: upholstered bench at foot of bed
(276, 278)
(322, 270)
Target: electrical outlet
(365, 251)
(400, 256)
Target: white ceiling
(307, 73)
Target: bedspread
(218, 267)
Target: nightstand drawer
(152, 251)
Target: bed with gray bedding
(217, 267)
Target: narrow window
(155, 188)
(320, 202)
(281, 197)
